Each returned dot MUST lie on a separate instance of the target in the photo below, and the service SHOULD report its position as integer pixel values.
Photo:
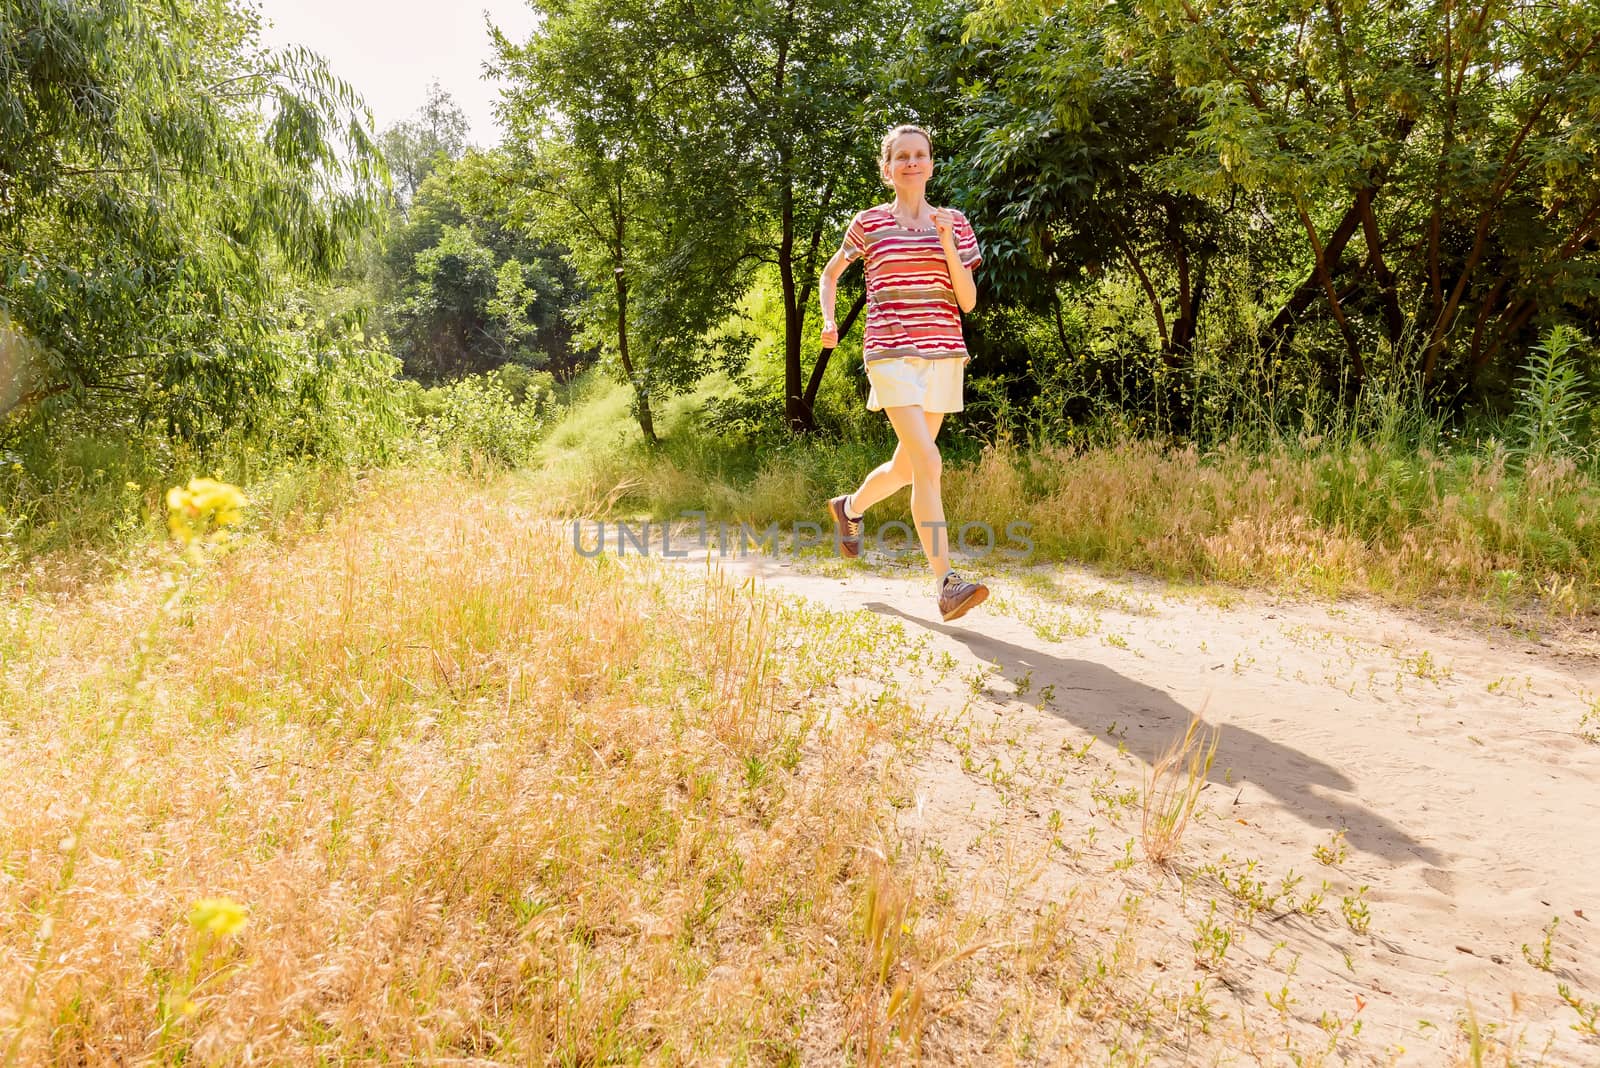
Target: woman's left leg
(911, 426)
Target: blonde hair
(894, 135)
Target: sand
(1450, 756)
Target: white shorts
(932, 385)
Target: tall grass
(75, 491)
(1379, 496)
(477, 796)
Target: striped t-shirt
(911, 305)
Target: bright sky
(391, 49)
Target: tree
(1060, 160)
(617, 154)
(163, 184)
(803, 80)
(463, 290)
(414, 147)
(1459, 143)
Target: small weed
(1424, 666)
(1247, 889)
(1478, 1036)
(1334, 852)
(1283, 999)
(1589, 723)
(1335, 1027)
(1108, 800)
(1588, 1011)
(1313, 902)
(1211, 941)
(1541, 960)
(1356, 913)
(755, 772)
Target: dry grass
(1173, 787)
(482, 799)
(1334, 517)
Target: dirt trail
(1452, 761)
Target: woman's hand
(830, 334)
(944, 220)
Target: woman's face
(910, 162)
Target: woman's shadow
(1093, 697)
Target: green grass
(1384, 500)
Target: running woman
(919, 262)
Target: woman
(919, 262)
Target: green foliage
(461, 287)
(167, 183)
(676, 148)
(1552, 406)
(492, 418)
(617, 154)
(809, 88)
(1330, 197)
(415, 147)
(1459, 143)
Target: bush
(1552, 406)
(480, 419)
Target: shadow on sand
(1092, 697)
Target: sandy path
(1452, 761)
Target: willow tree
(163, 182)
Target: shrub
(479, 418)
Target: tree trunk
(794, 406)
(1281, 329)
(641, 389)
(1282, 326)
(815, 383)
(1394, 323)
(1352, 346)
(1191, 291)
(1486, 309)
(1132, 256)
(1061, 325)
(1516, 316)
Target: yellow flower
(203, 502)
(218, 915)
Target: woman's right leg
(883, 481)
(894, 474)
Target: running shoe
(957, 596)
(846, 531)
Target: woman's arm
(960, 274)
(827, 292)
